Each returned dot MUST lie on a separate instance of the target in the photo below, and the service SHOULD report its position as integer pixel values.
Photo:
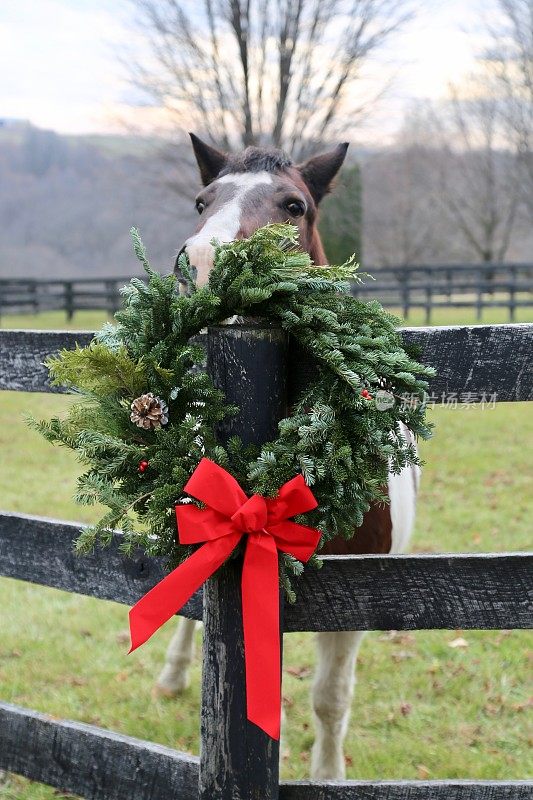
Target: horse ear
(319, 171)
(210, 160)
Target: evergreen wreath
(147, 410)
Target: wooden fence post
(429, 296)
(237, 760)
(481, 278)
(32, 285)
(406, 295)
(512, 295)
(112, 297)
(69, 299)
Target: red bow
(229, 515)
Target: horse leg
(337, 652)
(174, 677)
(331, 699)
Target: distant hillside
(67, 204)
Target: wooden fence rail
(477, 359)
(111, 766)
(398, 592)
(407, 287)
(432, 286)
(33, 295)
(237, 761)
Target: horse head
(243, 192)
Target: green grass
(465, 316)
(422, 708)
(89, 320)
(55, 320)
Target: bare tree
(509, 63)
(280, 72)
(448, 190)
(479, 179)
(399, 207)
(403, 222)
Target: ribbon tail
(169, 595)
(262, 652)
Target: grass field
(440, 704)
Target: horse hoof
(169, 689)
(327, 767)
(163, 693)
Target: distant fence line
(426, 287)
(431, 286)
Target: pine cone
(149, 412)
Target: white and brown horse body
(242, 193)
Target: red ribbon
(229, 515)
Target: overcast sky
(59, 69)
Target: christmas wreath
(146, 409)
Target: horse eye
(295, 208)
(200, 206)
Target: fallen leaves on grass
(11, 654)
(469, 734)
(522, 706)
(500, 637)
(288, 700)
(299, 672)
(404, 638)
(76, 681)
(402, 655)
(458, 642)
(499, 478)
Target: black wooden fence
(432, 286)
(29, 295)
(237, 761)
(426, 287)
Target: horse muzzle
(201, 257)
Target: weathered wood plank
(416, 592)
(40, 550)
(408, 790)
(249, 364)
(22, 354)
(91, 762)
(490, 359)
(238, 761)
(480, 359)
(400, 592)
(102, 765)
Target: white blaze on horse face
(224, 224)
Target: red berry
(366, 394)
(143, 465)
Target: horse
(240, 194)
